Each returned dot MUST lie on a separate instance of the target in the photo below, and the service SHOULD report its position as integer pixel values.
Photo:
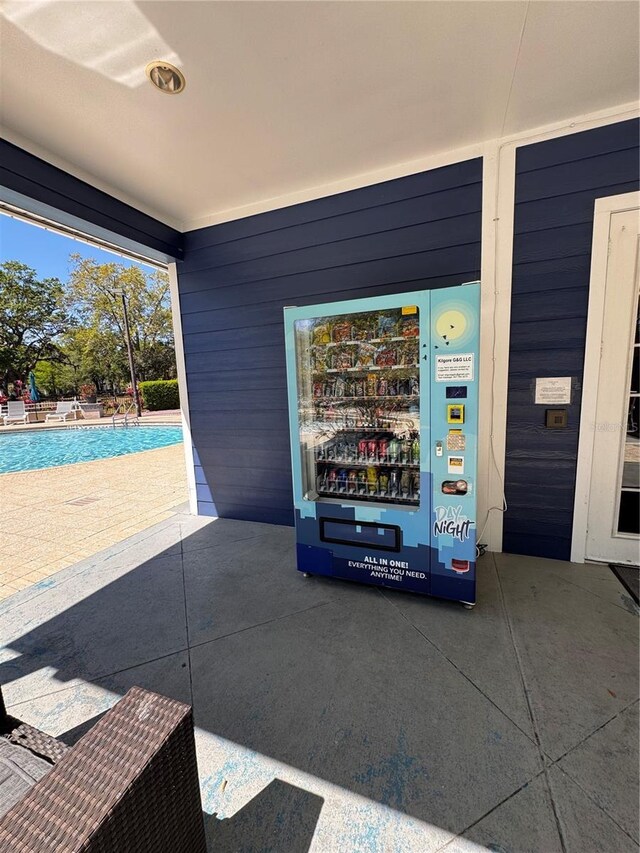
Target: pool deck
(54, 517)
(170, 416)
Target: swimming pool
(49, 448)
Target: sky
(45, 251)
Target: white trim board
(604, 209)
(183, 389)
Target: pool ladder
(127, 418)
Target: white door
(613, 510)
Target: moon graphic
(451, 325)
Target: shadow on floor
(280, 819)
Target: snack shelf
(370, 497)
(333, 399)
(369, 369)
(396, 339)
(341, 463)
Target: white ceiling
(283, 97)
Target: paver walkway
(54, 517)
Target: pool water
(25, 451)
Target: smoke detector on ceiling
(166, 77)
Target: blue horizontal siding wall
(557, 183)
(235, 279)
(34, 178)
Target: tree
(32, 315)
(93, 296)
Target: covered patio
(332, 717)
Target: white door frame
(604, 209)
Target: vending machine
(383, 409)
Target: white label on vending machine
(454, 368)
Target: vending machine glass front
(358, 384)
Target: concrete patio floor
(335, 717)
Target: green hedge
(160, 394)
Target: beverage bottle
(383, 481)
(362, 482)
(415, 450)
(415, 485)
(393, 484)
(394, 450)
(362, 450)
(332, 480)
(372, 450)
(352, 481)
(342, 480)
(372, 480)
(405, 484)
(383, 449)
(405, 451)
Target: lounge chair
(16, 412)
(63, 410)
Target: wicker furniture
(130, 785)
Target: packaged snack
(360, 332)
(322, 334)
(341, 332)
(385, 357)
(340, 387)
(366, 354)
(359, 388)
(330, 388)
(414, 386)
(386, 326)
(371, 385)
(383, 387)
(318, 388)
(319, 360)
(342, 361)
(409, 327)
(392, 387)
